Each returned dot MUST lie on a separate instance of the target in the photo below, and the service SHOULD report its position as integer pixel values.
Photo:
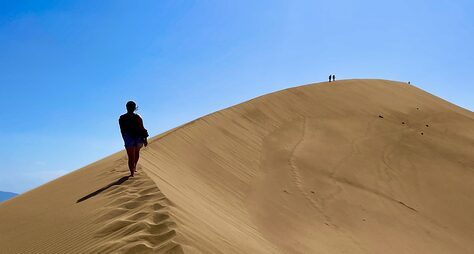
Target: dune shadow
(118, 182)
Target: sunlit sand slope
(356, 166)
(97, 209)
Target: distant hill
(6, 195)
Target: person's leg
(137, 156)
(131, 159)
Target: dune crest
(353, 166)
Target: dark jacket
(132, 125)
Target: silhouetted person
(330, 78)
(333, 77)
(134, 135)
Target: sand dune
(355, 166)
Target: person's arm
(121, 125)
(143, 130)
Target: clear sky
(68, 67)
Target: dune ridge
(136, 218)
(127, 215)
(353, 166)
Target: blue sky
(68, 67)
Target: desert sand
(353, 166)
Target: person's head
(131, 106)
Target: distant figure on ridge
(134, 135)
(330, 78)
(333, 77)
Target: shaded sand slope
(355, 166)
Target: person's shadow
(118, 182)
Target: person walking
(330, 78)
(134, 135)
(333, 77)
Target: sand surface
(354, 166)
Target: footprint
(138, 216)
(159, 218)
(119, 201)
(113, 227)
(148, 191)
(114, 213)
(136, 219)
(149, 196)
(131, 205)
(136, 248)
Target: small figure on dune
(134, 135)
(330, 78)
(333, 77)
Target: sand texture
(353, 166)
